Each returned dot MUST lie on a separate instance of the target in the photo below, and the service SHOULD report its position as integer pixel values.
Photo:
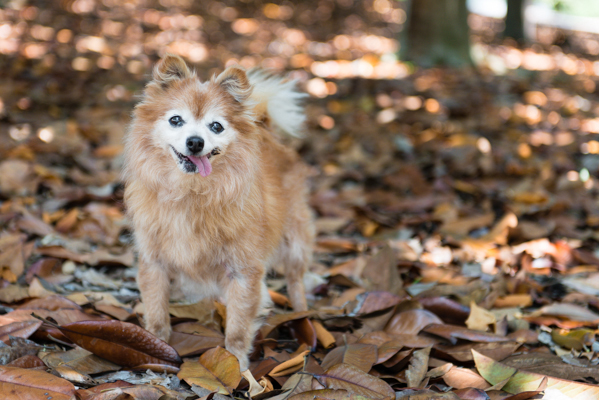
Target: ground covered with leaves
(457, 211)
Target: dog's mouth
(194, 165)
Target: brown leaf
(371, 302)
(108, 389)
(381, 273)
(216, 370)
(274, 321)
(471, 394)
(411, 322)
(513, 300)
(416, 372)
(453, 332)
(355, 381)
(18, 347)
(121, 343)
(447, 309)
(303, 331)
(388, 350)
(22, 329)
(569, 311)
(361, 356)
(327, 394)
(479, 318)
(290, 366)
(463, 353)
(461, 378)
(31, 384)
(410, 394)
(78, 359)
(323, 336)
(29, 361)
(193, 344)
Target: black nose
(195, 144)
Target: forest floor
(457, 212)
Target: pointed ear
(236, 83)
(171, 68)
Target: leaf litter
(456, 212)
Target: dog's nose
(195, 144)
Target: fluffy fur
(222, 231)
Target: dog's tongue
(203, 164)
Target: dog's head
(195, 122)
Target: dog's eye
(216, 127)
(176, 121)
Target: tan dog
(215, 199)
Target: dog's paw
(161, 332)
(239, 350)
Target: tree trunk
(514, 20)
(436, 33)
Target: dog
(215, 199)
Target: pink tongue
(203, 164)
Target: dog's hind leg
(296, 254)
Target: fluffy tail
(278, 99)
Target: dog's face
(193, 121)
(193, 139)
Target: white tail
(279, 99)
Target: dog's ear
(169, 69)
(235, 81)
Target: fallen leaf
(22, 329)
(290, 366)
(193, 338)
(78, 359)
(303, 331)
(479, 318)
(216, 370)
(361, 356)
(120, 342)
(418, 368)
(29, 361)
(453, 332)
(520, 381)
(355, 381)
(461, 378)
(25, 384)
(448, 310)
(411, 322)
(323, 336)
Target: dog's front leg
(244, 297)
(154, 284)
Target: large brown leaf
(355, 381)
(122, 343)
(31, 384)
(216, 370)
(361, 356)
